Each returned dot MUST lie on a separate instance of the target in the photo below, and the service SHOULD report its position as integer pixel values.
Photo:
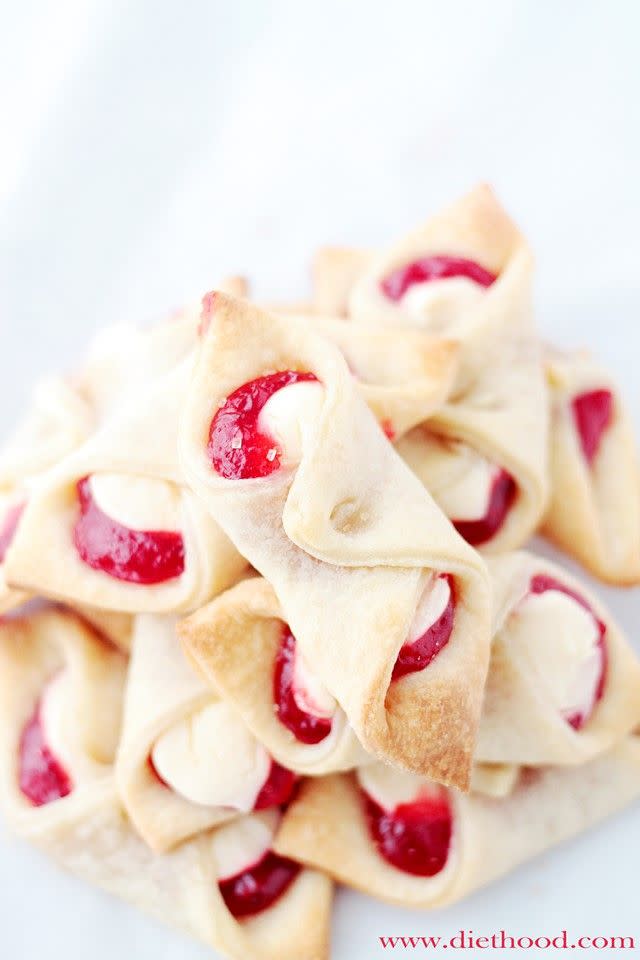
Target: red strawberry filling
(592, 414)
(238, 448)
(540, 584)
(42, 779)
(414, 837)
(501, 497)
(135, 556)
(9, 527)
(440, 267)
(277, 788)
(418, 653)
(258, 887)
(306, 727)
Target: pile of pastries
(267, 622)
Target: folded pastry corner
(186, 761)
(594, 511)
(563, 682)
(122, 531)
(241, 646)
(417, 844)
(389, 606)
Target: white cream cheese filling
(243, 843)
(140, 503)
(390, 787)
(443, 305)
(212, 759)
(434, 600)
(309, 693)
(289, 416)
(560, 640)
(59, 723)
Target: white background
(150, 147)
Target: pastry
(122, 530)
(594, 511)
(563, 683)
(417, 844)
(241, 646)
(186, 760)
(466, 275)
(388, 604)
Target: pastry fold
(405, 375)
(164, 701)
(522, 721)
(137, 444)
(327, 827)
(233, 642)
(346, 549)
(594, 510)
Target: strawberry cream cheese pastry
(594, 513)
(243, 648)
(121, 529)
(466, 275)
(186, 760)
(409, 841)
(563, 683)
(389, 606)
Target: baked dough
(326, 827)
(169, 709)
(138, 446)
(233, 642)
(594, 511)
(346, 549)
